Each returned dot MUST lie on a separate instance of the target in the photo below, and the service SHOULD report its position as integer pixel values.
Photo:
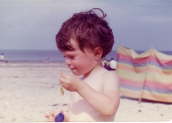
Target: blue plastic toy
(59, 117)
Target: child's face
(79, 62)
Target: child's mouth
(74, 70)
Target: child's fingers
(65, 79)
(66, 76)
(47, 115)
(62, 77)
(51, 115)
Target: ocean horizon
(45, 55)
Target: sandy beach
(29, 90)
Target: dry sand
(29, 90)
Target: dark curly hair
(89, 29)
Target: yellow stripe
(157, 96)
(130, 93)
(149, 76)
(152, 68)
(137, 77)
(146, 95)
(150, 52)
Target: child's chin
(76, 73)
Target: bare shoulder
(111, 86)
(111, 81)
(110, 76)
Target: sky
(137, 24)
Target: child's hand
(69, 82)
(51, 116)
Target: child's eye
(69, 57)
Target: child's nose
(67, 61)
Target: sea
(44, 55)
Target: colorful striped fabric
(145, 76)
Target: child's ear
(98, 52)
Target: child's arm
(107, 102)
(104, 102)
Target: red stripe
(158, 85)
(143, 69)
(150, 84)
(130, 82)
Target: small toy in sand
(59, 117)
(62, 90)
